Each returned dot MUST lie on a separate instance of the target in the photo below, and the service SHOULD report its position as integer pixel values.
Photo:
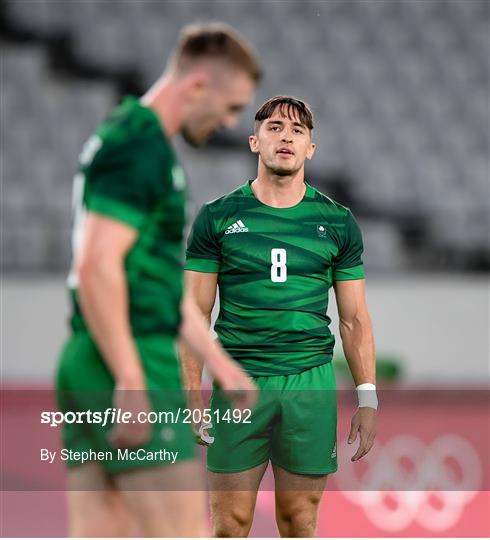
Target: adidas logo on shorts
(237, 227)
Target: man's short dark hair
(216, 40)
(289, 107)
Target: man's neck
(279, 191)
(164, 98)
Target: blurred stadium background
(400, 90)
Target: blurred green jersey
(129, 172)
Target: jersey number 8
(279, 270)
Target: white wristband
(366, 395)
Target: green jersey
(275, 268)
(129, 172)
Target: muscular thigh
(297, 492)
(95, 507)
(169, 501)
(181, 476)
(285, 481)
(234, 494)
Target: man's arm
(201, 286)
(358, 344)
(199, 348)
(356, 330)
(104, 303)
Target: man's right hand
(134, 433)
(201, 434)
(235, 382)
(194, 331)
(199, 428)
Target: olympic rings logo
(407, 481)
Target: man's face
(218, 105)
(283, 142)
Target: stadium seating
(399, 89)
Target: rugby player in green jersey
(275, 246)
(126, 288)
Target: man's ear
(254, 144)
(196, 83)
(311, 151)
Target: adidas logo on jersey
(237, 227)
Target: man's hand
(234, 382)
(135, 433)
(201, 434)
(194, 331)
(364, 423)
(200, 429)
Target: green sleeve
(121, 183)
(348, 263)
(203, 248)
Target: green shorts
(294, 424)
(84, 383)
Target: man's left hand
(364, 423)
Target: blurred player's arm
(358, 344)
(104, 297)
(104, 302)
(198, 348)
(201, 277)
